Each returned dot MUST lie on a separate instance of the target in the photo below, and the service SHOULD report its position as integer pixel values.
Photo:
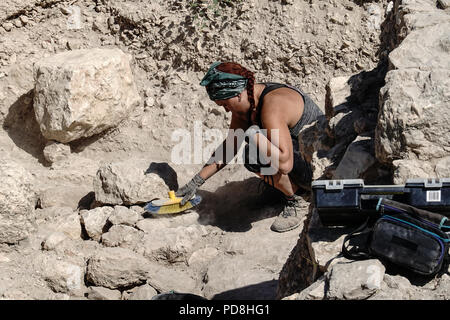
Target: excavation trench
(224, 249)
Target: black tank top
(310, 111)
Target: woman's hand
(189, 189)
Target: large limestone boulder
(426, 48)
(412, 131)
(133, 181)
(61, 275)
(83, 92)
(116, 268)
(356, 280)
(17, 201)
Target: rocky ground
(64, 236)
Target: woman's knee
(253, 160)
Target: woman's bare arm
(227, 150)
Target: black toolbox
(338, 202)
(348, 202)
(429, 194)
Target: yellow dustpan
(171, 205)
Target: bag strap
(437, 219)
(413, 211)
(360, 254)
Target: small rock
(138, 209)
(354, 280)
(336, 18)
(24, 20)
(18, 23)
(123, 215)
(8, 26)
(374, 19)
(115, 28)
(122, 236)
(389, 7)
(444, 4)
(70, 226)
(55, 151)
(315, 291)
(74, 19)
(110, 21)
(73, 44)
(94, 221)
(318, 292)
(4, 258)
(53, 240)
(145, 292)
(443, 167)
(65, 10)
(149, 102)
(100, 293)
(99, 24)
(337, 92)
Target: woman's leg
(288, 218)
(281, 182)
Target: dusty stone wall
(409, 136)
(411, 131)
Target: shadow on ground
(234, 206)
(261, 291)
(22, 127)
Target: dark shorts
(300, 175)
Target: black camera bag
(405, 236)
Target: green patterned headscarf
(221, 85)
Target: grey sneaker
(289, 218)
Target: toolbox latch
(426, 182)
(339, 184)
